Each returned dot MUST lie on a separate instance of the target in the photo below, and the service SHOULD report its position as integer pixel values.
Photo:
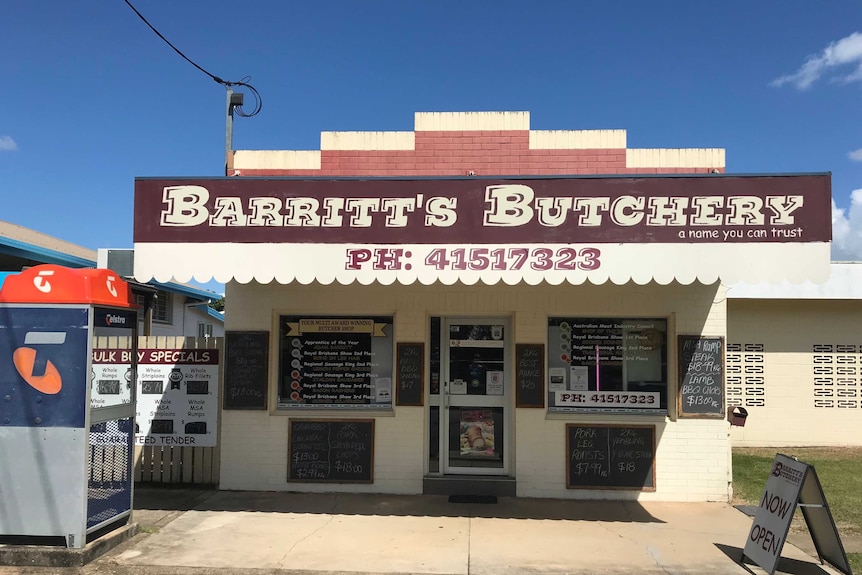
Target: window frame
(619, 340)
(205, 329)
(381, 361)
(163, 306)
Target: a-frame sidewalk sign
(791, 484)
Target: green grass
(840, 474)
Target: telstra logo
(46, 380)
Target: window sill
(606, 415)
(333, 411)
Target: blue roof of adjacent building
(16, 254)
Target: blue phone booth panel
(43, 406)
(43, 367)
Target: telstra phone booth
(68, 357)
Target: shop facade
(439, 312)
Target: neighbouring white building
(168, 309)
(794, 360)
(177, 309)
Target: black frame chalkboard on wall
(697, 375)
(330, 450)
(530, 375)
(251, 370)
(410, 374)
(611, 456)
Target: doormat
(472, 499)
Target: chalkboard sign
(410, 374)
(331, 451)
(245, 369)
(530, 375)
(701, 376)
(600, 456)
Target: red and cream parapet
(733, 228)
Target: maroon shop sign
(686, 209)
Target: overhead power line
(244, 82)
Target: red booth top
(57, 284)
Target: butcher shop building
(475, 307)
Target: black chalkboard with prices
(331, 451)
(701, 376)
(410, 374)
(610, 456)
(246, 368)
(529, 375)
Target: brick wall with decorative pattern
(796, 366)
(475, 143)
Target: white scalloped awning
(508, 263)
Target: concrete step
(477, 485)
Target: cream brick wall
(675, 158)
(484, 143)
(282, 159)
(692, 455)
(457, 121)
(788, 330)
(577, 139)
(367, 140)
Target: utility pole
(234, 99)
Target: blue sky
(93, 98)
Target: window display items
(477, 433)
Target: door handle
(446, 394)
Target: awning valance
(620, 264)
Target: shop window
(335, 362)
(607, 364)
(162, 307)
(205, 329)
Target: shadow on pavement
(785, 565)
(184, 499)
(151, 497)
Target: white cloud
(847, 229)
(844, 52)
(7, 144)
(855, 155)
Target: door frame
(505, 401)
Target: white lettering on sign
(515, 205)
(507, 205)
(185, 205)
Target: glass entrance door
(475, 396)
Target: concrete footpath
(202, 532)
